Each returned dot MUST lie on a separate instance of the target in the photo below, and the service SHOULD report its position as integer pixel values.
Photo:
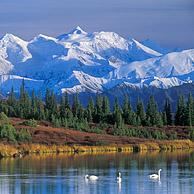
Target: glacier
(81, 62)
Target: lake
(62, 174)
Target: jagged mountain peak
(73, 34)
(10, 37)
(90, 62)
(77, 30)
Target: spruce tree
(75, 105)
(98, 109)
(167, 111)
(189, 112)
(12, 103)
(34, 106)
(105, 108)
(24, 102)
(126, 110)
(90, 110)
(128, 115)
(117, 115)
(152, 112)
(180, 113)
(41, 109)
(140, 112)
(164, 118)
(50, 104)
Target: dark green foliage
(64, 106)
(50, 104)
(75, 106)
(81, 125)
(4, 119)
(105, 109)
(31, 123)
(24, 104)
(141, 133)
(8, 132)
(164, 118)
(180, 113)
(128, 115)
(153, 117)
(56, 121)
(117, 115)
(23, 135)
(12, 103)
(140, 112)
(167, 113)
(189, 112)
(95, 130)
(98, 113)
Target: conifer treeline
(66, 114)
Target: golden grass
(154, 146)
(7, 150)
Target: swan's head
(86, 176)
(160, 170)
(119, 174)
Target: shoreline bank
(11, 150)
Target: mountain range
(98, 62)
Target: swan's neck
(159, 175)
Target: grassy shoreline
(11, 150)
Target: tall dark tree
(180, 113)
(51, 104)
(140, 112)
(105, 106)
(117, 115)
(189, 112)
(62, 107)
(12, 103)
(24, 102)
(34, 106)
(126, 110)
(128, 115)
(75, 105)
(152, 112)
(41, 109)
(98, 109)
(168, 112)
(90, 110)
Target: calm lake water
(64, 174)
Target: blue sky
(168, 22)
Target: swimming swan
(155, 176)
(119, 179)
(91, 177)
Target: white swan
(91, 177)
(155, 176)
(119, 179)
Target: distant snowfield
(90, 62)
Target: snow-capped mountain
(90, 62)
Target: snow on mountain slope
(89, 62)
(109, 45)
(9, 81)
(5, 66)
(14, 49)
(170, 65)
